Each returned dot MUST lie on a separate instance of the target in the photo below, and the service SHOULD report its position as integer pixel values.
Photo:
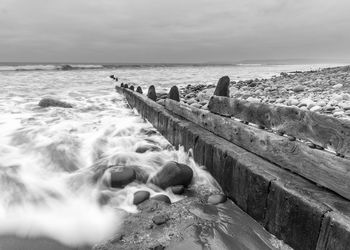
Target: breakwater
(291, 206)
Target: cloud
(172, 31)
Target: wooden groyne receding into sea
(289, 169)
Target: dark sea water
(47, 155)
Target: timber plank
(326, 131)
(318, 166)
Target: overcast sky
(172, 30)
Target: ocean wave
(45, 67)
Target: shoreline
(326, 91)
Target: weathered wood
(139, 90)
(325, 131)
(152, 93)
(318, 166)
(222, 88)
(174, 94)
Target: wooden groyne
(274, 163)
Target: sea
(48, 156)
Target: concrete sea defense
(297, 192)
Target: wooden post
(222, 88)
(174, 94)
(152, 93)
(139, 90)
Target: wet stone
(178, 189)
(161, 197)
(49, 102)
(122, 176)
(216, 199)
(160, 219)
(140, 196)
(144, 148)
(173, 174)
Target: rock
(139, 90)
(126, 86)
(191, 101)
(329, 108)
(152, 93)
(306, 103)
(346, 97)
(49, 102)
(122, 85)
(253, 99)
(298, 89)
(196, 105)
(147, 147)
(216, 199)
(279, 100)
(292, 102)
(140, 196)
(345, 105)
(321, 103)
(338, 86)
(336, 97)
(132, 87)
(173, 174)
(338, 113)
(161, 197)
(205, 94)
(179, 189)
(122, 176)
(316, 108)
(174, 94)
(222, 88)
(160, 219)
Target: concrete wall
(294, 209)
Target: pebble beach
(325, 91)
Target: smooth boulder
(122, 176)
(178, 189)
(147, 147)
(141, 196)
(49, 102)
(173, 174)
(162, 198)
(223, 87)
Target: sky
(173, 31)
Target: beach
(57, 162)
(326, 91)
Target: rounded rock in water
(173, 174)
(122, 176)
